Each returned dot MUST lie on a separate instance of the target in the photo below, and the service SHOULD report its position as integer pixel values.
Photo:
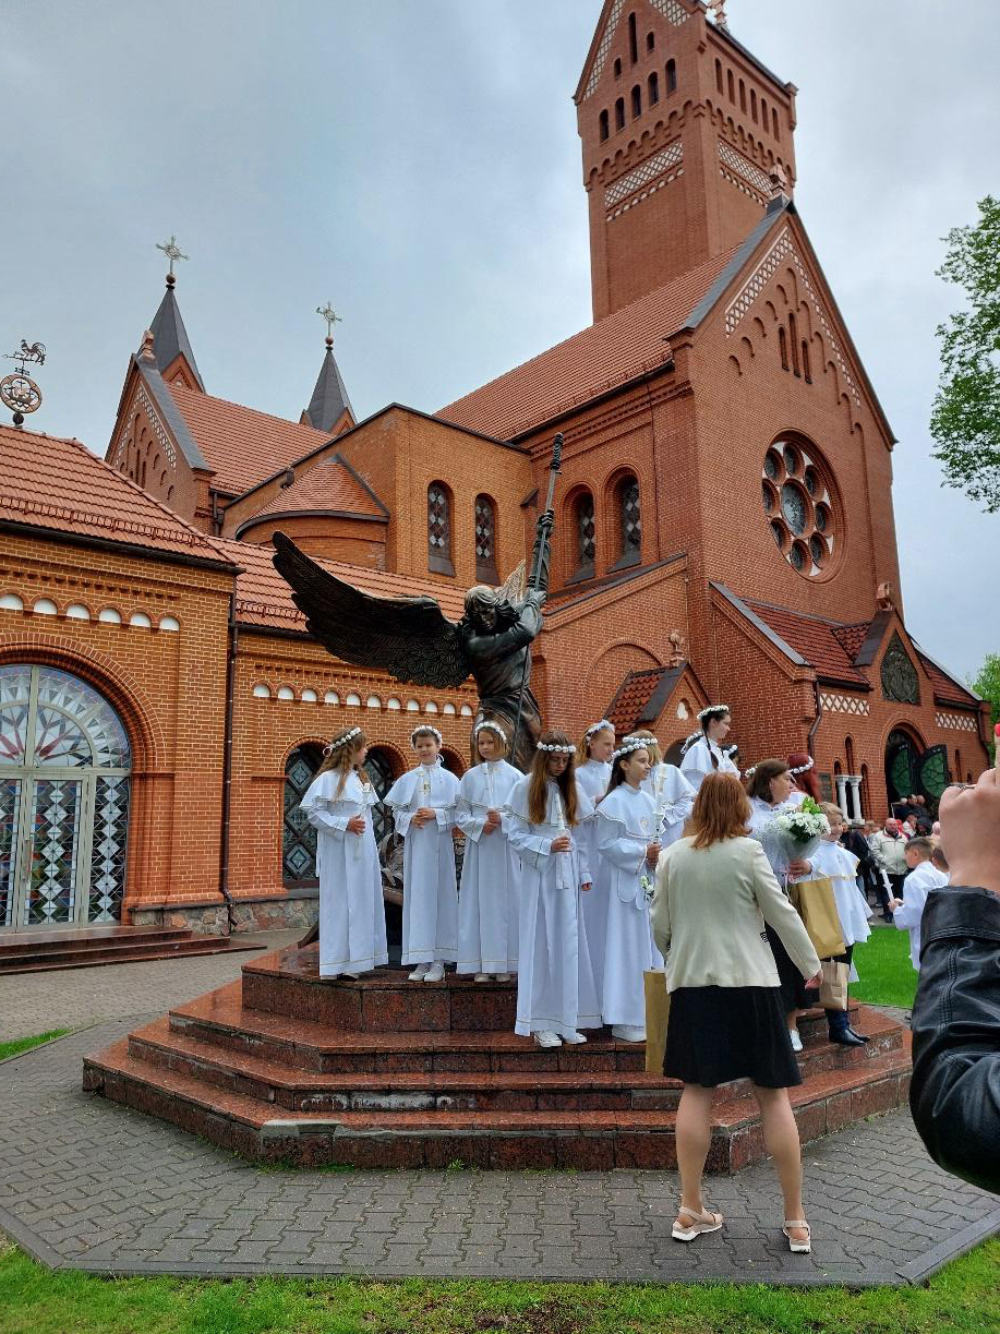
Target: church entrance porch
(912, 769)
(65, 762)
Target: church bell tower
(681, 130)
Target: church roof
(240, 445)
(946, 689)
(329, 401)
(170, 337)
(600, 358)
(264, 599)
(58, 485)
(330, 487)
(642, 697)
(814, 638)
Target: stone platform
(384, 1072)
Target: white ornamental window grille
(845, 704)
(956, 722)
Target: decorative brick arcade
(385, 1072)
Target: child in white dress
(629, 845)
(673, 796)
(556, 995)
(423, 806)
(594, 775)
(338, 805)
(703, 753)
(488, 902)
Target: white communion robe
(841, 868)
(488, 918)
(430, 891)
(351, 907)
(594, 777)
(673, 796)
(917, 885)
(627, 821)
(555, 982)
(696, 762)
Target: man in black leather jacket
(955, 1093)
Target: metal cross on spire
(173, 252)
(331, 317)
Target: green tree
(965, 421)
(987, 684)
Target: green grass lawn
(964, 1297)
(25, 1044)
(883, 963)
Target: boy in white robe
(488, 920)
(556, 995)
(338, 804)
(423, 807)
(673, 796)
(703, 753)
(594, 775)
(629, 844)
(923, 877)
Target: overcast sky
(417, 162)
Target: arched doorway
(298, 837)
(65, 762)
(910, 769)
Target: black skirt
(716, 1034)
(795, 995)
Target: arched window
(732, 85)
(793, 336)
(605, 124)
(439, 529)
(584, 535)
(763, 115)
(633, 39)
(618, 69)
(654, 89)
(866, 796)
(486, 538)
(743, 96)
(783, 346)
(629, 522)
(636, 101)
(671, 76)
(298, 837)
(774, 122)
(805, 362)
(753, 105)
(718, 75)
(849, 752)
(620, 114)
(650, 41)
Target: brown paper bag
(814, 902)
(833, 988)
(657, 1018)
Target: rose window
(798, 499)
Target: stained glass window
(486, 531)
(379, 769)
(586, 534)
(298, 841)
(630, 520)
(439, 529)
(797, 495)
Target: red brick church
(724, 532)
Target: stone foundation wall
(284, 914)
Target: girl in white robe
(673, 796)
(594, 775)
(703, 753)
(338, 804)
(629, 846)
(488, 920)
(423, 807)
(556, 995)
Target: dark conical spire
(170, 338)
(329, 401)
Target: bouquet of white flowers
(799, 831)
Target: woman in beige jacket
(714, 893)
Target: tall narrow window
(605, 126)
(654, 89)
(806, 370)
(793, 336)
(486, 540)
(620, 114)
(618, 69)
(585, 536)
(783, 346)
(629, 522)
(753, 106)
(633, 39)
(298, 837)
(439, 529)
(718, 75)
(671, 76)
(774, 123)
(732, 85)
(650, 41)
(636, 102)
(763, 115)
(743, 96)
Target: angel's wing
(513, 588)
(410, 638)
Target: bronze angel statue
(413, 640)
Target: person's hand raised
(970, 832)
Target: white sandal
(796, 1246)
(705, 1221)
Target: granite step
(92, 956)
(489, 1139)
(63, 938)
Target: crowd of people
(579, 878)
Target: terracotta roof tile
(241, 445)
(329, 485)
(633, 695)
(263, 598)
(814, 638)
(49, 482)
(945, 688)
(852, 637)
(606, 354)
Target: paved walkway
(87, 1184)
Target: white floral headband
(803, 768)
(341, 742)
(713, 708)
(426, 727)
(488, 725)
(602, 726)
(554, 749)
(749, 773)
(630, 744)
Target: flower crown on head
(803, 768)
(341, 742)
(488, 725)
(749, 773)
(713, 708)
(599, 727)
(630, 744)
(555, 749)
(425, 727)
